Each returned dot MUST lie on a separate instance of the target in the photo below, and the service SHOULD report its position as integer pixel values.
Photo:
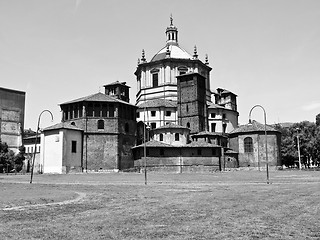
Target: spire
(195, 54)
(206, 60)
(143, 58)
(172, 33)
(168, 52)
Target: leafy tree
(8, 160)
(309, 141)
(19, 158)
(318, 120)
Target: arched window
(100, 124)
(126, 127)
(182, 70)
(176, 137)
(161, 137)
(248, 146)
(188, 125)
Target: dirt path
(77, 199)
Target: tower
(118, 90)
(192, 111)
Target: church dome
(171, 51)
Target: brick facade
(192, 102)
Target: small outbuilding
(61, 149)
(249, 141)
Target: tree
(309, 142)
(318, 120)
(8, 160)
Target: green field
(221, 205)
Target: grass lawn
(226, 205)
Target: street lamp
(35, 141)
(265, 133)
(298, 129)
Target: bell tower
(192, 107)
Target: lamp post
(35, 141)
(298, 129)
(265, 133)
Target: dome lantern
(172, 33)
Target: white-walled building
(62, 149)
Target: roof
(154, 143)
(213, 105)
(223, 92)
(12, 90)
(117, 83)
(254, 126)
(175, 52)
(171, 125)
(229, 151)
(97, 97)
(62, 125)
(158, 103)
(207, 133)
(200, 144)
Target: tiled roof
(213, 105)
(62, 125)
(158, 103)
(200, 144)
(194, 144)
(229, 151)
(171, 125)
(154, 143)
(97, 97)
(117, 83)
(254, 126)
(207, 133)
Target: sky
(265, 51)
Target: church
(176, 124)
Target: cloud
(311, 106)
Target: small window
(126, 127)
(224, 116)
(73, 123)
(153, 113)
(153, 125)
(224, 127)
(100, 124)
(188, 125)
(187, 108)
(213, 115)
(155, 79)
(168, 113)
(90, 110)
(111, 110)
(176, 137)
(138, 114)
(199, 152)
(161, 137)
(213, 127)
(73, 146)
(161, 152)
(248, 145)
